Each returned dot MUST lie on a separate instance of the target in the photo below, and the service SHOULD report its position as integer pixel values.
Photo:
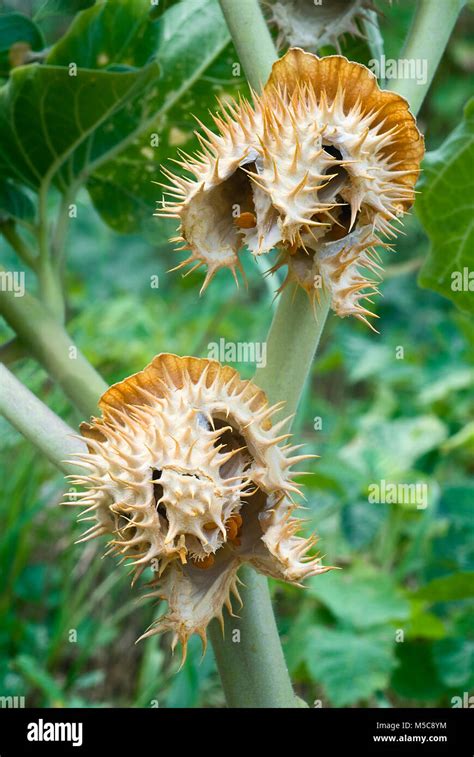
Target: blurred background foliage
(403, 419)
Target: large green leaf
(17, 33)
(388, 449)
(361, 521)
(416, 676)
(98, 87)
(361, 597)
(446, 210)
(453, 547)
(53, 124)
(64, 127)
(454, 661)
(14, 203)
(423, 624)
(114, 32)
(448, 588)
(122, 189)
(61, 7)
(350, 666)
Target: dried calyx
(188, 476)
(321, 166)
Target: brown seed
(246, 221)
(204, 563)
(238, 519)
(233, 526)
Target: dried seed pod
(322, 165)
(187, 475)
(303, 23)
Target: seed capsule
(324, 163)
(185, 472)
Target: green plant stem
(50, 289)
(37, 422)
(249, 657)
(251, 38)
(426, 41)
(291, 345)
(49, 278)
(253, 671)
(53, 348)
(58, 238)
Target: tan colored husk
(322, 153)
(187, 476)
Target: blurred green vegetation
(396, 406)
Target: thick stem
(253, 671)
(52, 347)
(49, 279)
(249, 657)
(37, 422)
(426, 41)
(291, 344)
(50, 289)
(251, 38)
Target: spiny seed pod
(321, 165)
(306, 24)
(188, 476)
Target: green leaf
(462, 439)
(448, 588)
(453, 549)
(54, 125)
(181, 53)
(294, 638)
(454, 661)
(60, 8)
(39, 678)
(388, 449)
(446, 210)
(360, 596)
(185, 689)
(18, 34)
(95, 93)
(122, 189)
(14, 203)
(32, 583)
(361, 521)
(109, 33)
(350, 667)
(422, 624)
(416, 677)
